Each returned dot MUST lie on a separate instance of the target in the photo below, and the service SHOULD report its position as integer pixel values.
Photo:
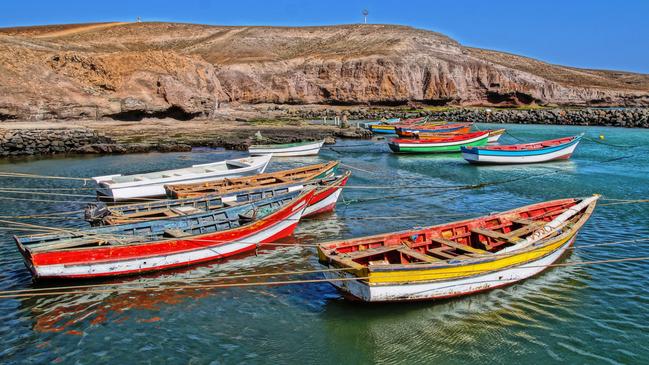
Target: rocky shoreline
(167, 135)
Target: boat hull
(172, 253)
(310, 149)
(433, 290)
(477, 156)
(325, 199)
(154, 189)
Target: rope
(33, 176)
(282, 273)
(11, 294)
(610, 144)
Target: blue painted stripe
(542, 151)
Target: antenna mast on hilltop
(365, 14)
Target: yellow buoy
(601, 136)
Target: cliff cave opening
(4, 116)
(511, 98)
(173, 112)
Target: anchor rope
(280, 273)
(132, 288)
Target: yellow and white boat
(457, 258)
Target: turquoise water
(574, 314)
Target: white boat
(150, 185)
(288, 149)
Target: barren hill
(125, 70)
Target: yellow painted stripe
(455, 272)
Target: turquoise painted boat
(543, 151)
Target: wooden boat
(382, 128)
(225, 186)
(328, 190)
(308, 148)
(162, 244)
(458, 258)
(390, 128)
(148, 185)
(494, 134)
(439, 145)
(413, 131)
(555, 149)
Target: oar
(552, 226)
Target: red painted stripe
(328, 208)
(282, 234)
(323, 194)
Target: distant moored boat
(543, 151)
(308, 148)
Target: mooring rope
(34, 176)
(281, 273)
(54, 291)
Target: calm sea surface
(575, 314)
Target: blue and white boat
(543, 151)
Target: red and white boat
(162, 244)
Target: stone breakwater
(21, 142)
(627, 117)
(50, 141)
(631, 118)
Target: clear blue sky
(582, 33)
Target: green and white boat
(439, 145)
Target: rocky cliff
(129, 71)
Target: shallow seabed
(576, 314)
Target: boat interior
(451, 242)
(155, 230)
(220, 166)
(232, 184)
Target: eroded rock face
(130, 71)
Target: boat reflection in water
(73, 313)
(440, 328)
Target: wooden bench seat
(491, 233)
(460, 246)
(371, 252)
(418, 255)
(441, 252)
